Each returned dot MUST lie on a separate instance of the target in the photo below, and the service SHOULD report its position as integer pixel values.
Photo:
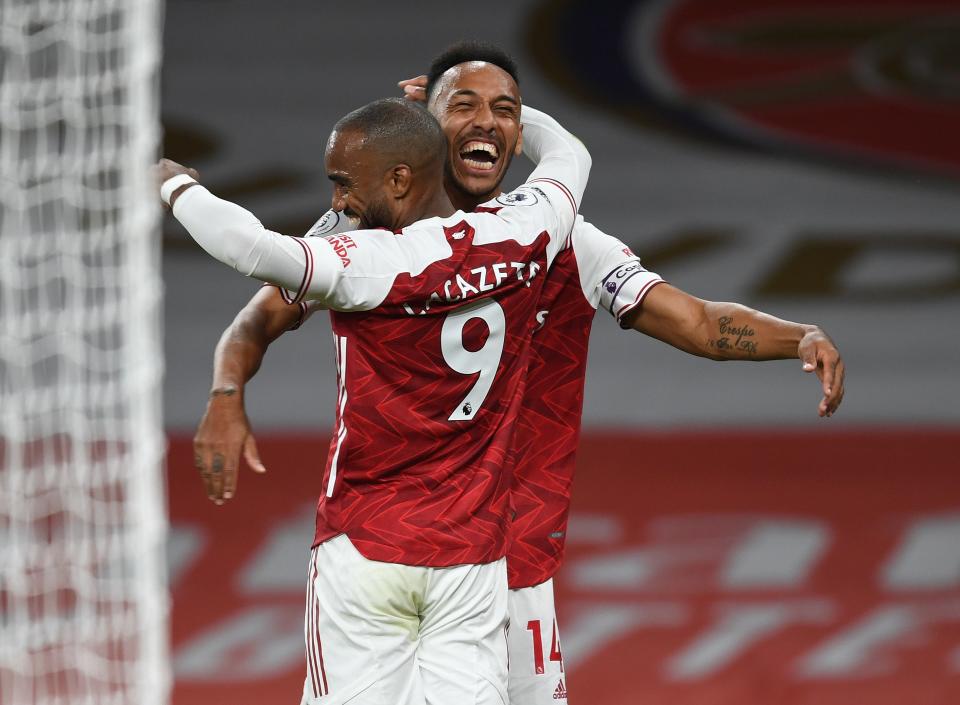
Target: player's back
(430, 384)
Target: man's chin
(479, 186)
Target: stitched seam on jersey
(640, 296)
(564, 189)
(307, 272)
(342, 431)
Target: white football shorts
(537, 675)
(390, 634)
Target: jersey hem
(648, 287)
(388, 554)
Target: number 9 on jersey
(486, 360)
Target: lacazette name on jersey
(482, 280)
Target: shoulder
(526, 196)
(517, 215)
(589, 243)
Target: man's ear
(518, 150)
(399, 179)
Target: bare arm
(730, 331)
(224, 432)
(243, 344)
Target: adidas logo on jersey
(561, 692)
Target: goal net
(83, 601)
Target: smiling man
(473, 91)
(477, 102)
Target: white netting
(83, 605)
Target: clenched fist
(166, 169)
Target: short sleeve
(368, 263)
(330, 223)
(611, 275)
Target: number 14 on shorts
(533, 626)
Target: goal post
(83, 595)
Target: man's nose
(484, 117)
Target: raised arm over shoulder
(556, 153)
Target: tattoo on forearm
(733, 337)
(223, 392)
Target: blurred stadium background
(727, 546)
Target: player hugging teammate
(461, 319)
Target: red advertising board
(741, 567)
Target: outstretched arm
(224, 432)
(237, 238)
(730, 331)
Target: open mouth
(478, 155)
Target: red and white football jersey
(598, 271)
(433, 327)
(430, 373)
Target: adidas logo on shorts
(560, 693)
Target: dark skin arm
(729, 331)
(224, 432)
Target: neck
(467, 202)
(434, 204)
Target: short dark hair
(399, 129)
(462, 52)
